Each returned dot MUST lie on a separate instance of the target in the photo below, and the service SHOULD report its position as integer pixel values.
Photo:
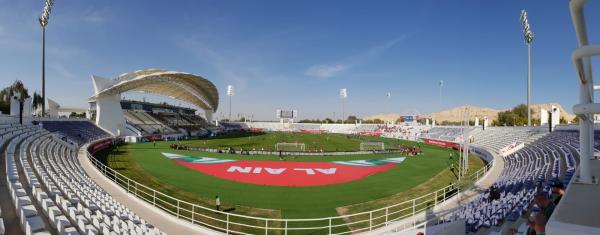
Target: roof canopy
(186, 87)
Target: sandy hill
(454, 114)
(384, 117)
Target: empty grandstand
(50, 192)
(138, 167)
(77, 132)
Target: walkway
(165, 222)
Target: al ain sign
(278, 173)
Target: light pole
(389, 96)
(528, 35)
(440, 85)
(44, 22)
(230, 94)
(465, 144)
(343, 96)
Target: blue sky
(298, 54)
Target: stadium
(157, 151)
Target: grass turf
(267, 141)
(143, 162)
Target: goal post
(372, 146)
(290, 147)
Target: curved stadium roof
(186, 87)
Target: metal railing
(242, 224)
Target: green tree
(6, 93)
(563, 120)
(517, 116)
(77, 115)
(37, 100)
(351, 119)
(575, 120)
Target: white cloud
(61, 70)
(231, 69)
(94, 16)
(325, 71)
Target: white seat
(42, 233)
(70, 231)
(33, 224)
(27, 211)
(54, 214)
(61, 223)
(2, 230)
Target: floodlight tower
(528, 35)
(389, 96)
(230, 94)
(440, 85)
(43, 19)
(465, 144)
(343, 96)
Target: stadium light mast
(465, 144)
(343, 96)
(43, 19)
(389, 96)
(230, 94)
(528, 36)
(440, 85)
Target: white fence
(241, 224)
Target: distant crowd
(411, 150)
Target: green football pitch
(415, 176)
(267, 141)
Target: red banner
(153, 137)
(311, 131)
(369, 133)
(441, 143)
(100, 145)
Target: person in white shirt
(217, 202)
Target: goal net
(371, 146)
(290, 147)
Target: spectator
(540, 224)
(558, 188)
(537, 224)
(545, 204)
(217, 202)
(494, 194)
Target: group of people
(176, 146)
(537, 220)
(411, 150)
(231, 150)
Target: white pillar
(209, 115)
(27, 107)
(15, 107)
(543, 116)
(109, 115)
(53, 107)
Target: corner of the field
(449, 206)
(164, 221)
